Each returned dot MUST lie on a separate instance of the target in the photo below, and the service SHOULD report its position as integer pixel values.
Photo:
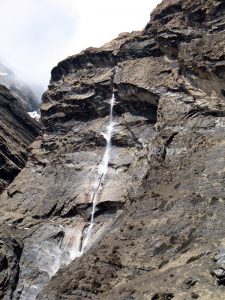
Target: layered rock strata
(159, 230)
(17, 132)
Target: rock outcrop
(17, 132)
(159, 230)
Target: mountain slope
(17, 131)
(159, 230)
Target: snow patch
(35, 115)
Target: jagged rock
(17, 132)
(159, 218)
(10, 252)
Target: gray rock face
(17, 132)
(58, 182)
(159, 217)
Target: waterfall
(102, 171)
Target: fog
(37, 34)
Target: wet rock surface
(159, 218)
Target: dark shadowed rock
(10, 252)
(17, 132)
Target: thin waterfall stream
(50, 257)
(102, 171)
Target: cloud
(37, 34)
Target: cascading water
(102, 171)
(51, 256)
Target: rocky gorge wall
(159, 230)
(17, 132)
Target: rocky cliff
(17, 132)
(159, 230)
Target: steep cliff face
(159, 230)
(17, 132)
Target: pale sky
(37, 34)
